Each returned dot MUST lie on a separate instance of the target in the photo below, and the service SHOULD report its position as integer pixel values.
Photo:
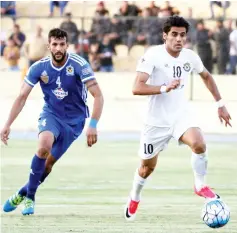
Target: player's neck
(59, 64)
(172, 53)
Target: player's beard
(61, 59)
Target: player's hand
(91, 135)
(173, 85)
(4, 134)
(224, 115)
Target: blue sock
(23, 190)
(43, 177)
(37, 169)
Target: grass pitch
(88, 188)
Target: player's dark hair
(57, 33)
(175, 21)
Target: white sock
(138, 184)
(199, 165)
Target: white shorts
(155, 139)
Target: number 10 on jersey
(177, 72)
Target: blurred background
(89, 186)
(112, 36)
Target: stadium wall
(123, 111)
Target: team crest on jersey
(187, 67)
(44, 77)
(70, 70)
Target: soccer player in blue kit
(64, 79)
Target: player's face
(58, 48)
(175, 39)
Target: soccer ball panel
(215, 214)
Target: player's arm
(95, 91)
(15, 110)
(210, 84)
(141, 87)
(212, 87)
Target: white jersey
(233, 43)
(165, 109)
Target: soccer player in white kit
(162, 74)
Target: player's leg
(153, 141)
(141, 174)
(50, 161)
(59, 147)
(193, 137)
(46, 140)
(140, 177)
(48, 132)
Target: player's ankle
(198, 187)
(135, 196)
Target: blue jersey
(65, 93)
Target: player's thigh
(193, 137)
(67, 136)
(46, 140)
(49, 129)
(153, 140)
(186, 129)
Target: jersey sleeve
(86, 73)
(83, 69)
(33, 75)
(197, 63)
(146, 63)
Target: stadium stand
(30, 15)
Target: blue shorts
(64, 133)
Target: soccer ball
(215, 213)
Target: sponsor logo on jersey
(187, 67)
(60, 93)
(44, 77)
(69, 70)
(86, 71)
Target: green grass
(88, 188)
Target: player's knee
(146, 170)
(198, 147)
(43, 152)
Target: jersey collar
(59, 68)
